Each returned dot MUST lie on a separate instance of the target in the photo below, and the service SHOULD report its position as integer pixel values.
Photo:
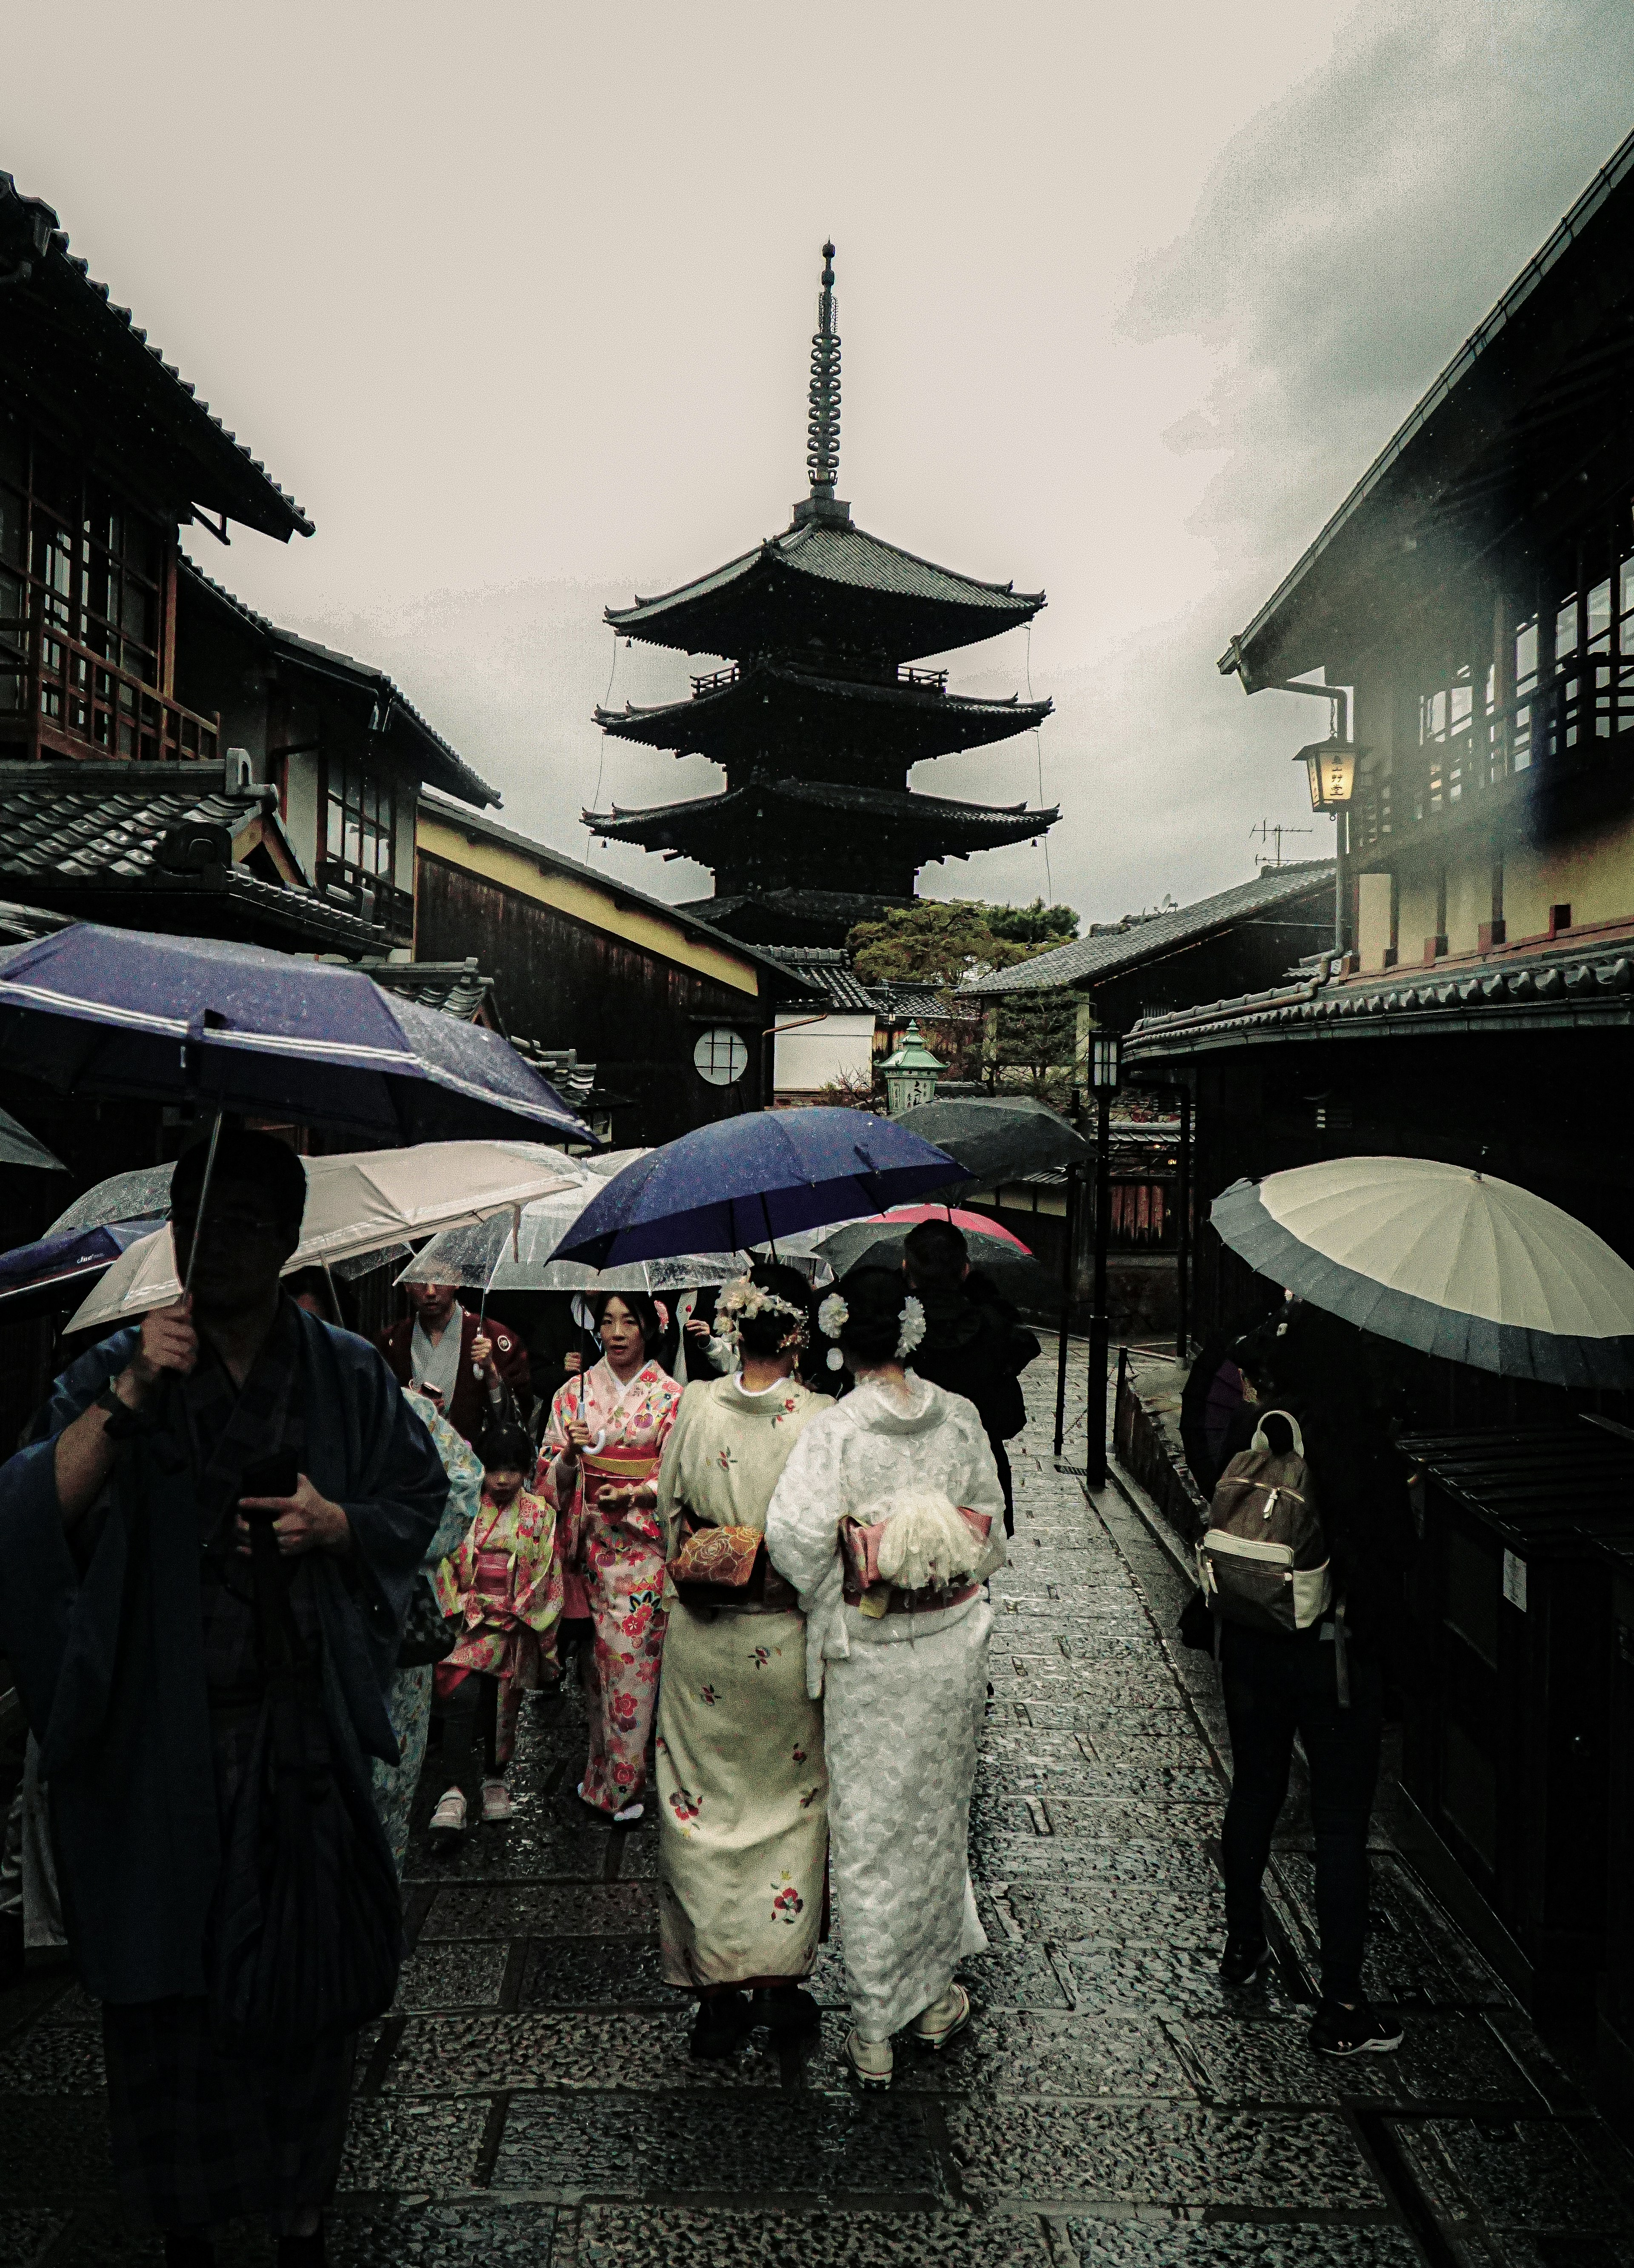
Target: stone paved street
(533, 2099)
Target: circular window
(720, 1056)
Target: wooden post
(1069, 1252)
(1182, 1324)
(1095, 1409)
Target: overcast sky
(517, 301)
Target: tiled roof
(829, 967)
(573, 1080)
(899, 808)
(459, 988)
(898, 1003)
(1140, 938)
(840, 555)
(439, 763)
(67, 826)
(27, 223)
(924, 717)
(75, 822)
(1587, 985)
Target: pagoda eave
(759, 707)
(923, 828)
(834, 588)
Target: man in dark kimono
(128, 1606)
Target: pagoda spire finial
(823, 427)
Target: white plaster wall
(814, 1055)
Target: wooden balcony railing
(370, 896)
(76, 703)
(1570, 722)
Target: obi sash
(619, 1469)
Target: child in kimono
(504, 1586)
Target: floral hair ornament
(832, 1317)
(913, 1328)
(744, 1299)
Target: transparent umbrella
(514, 1255)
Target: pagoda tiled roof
(940, 818)
(836, 584)
(919, 718)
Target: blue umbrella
(750, 1180)
(59, 1267)
(115, 1012)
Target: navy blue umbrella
(60, 1268)
(112, 1012)
(751, 1180)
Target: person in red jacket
(465, 1366)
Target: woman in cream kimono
(598, 1469)
(887, 1520)
(743, 1805)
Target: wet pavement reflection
(532, 2098)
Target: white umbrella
(1440, 1257)
(356, 1202)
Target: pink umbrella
(973, 1224)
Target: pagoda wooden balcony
(70, 700)
(933, 680)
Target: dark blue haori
(107, 1627)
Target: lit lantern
(1331, 767)
(910, 1074)
(1105, 1049)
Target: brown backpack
(1263, 1560)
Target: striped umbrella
(1439, 1258)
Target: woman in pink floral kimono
(598, 1468)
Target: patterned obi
(619, 1468)
(867, 1590)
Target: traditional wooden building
(820, 713)
(1475, 593)
(678, 1018)
(168, 758)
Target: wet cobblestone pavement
(532, 2098)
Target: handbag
(304, 1938)
(429, 1634)
(719, 1566)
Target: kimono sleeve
(803, 1518)
(978, 1485)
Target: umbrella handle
(198, 1219)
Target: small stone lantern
(910, 1074)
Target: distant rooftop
(1109, 951)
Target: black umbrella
(996, 1139)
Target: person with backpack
(1301, 1567)
(973, 1343)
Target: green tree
(1037, 925)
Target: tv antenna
(1269, 831)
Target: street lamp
(1105, 1053)
(910, 1074)
(1330, 770)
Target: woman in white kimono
(743, 1805)
(887, 1520)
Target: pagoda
(819, 713)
